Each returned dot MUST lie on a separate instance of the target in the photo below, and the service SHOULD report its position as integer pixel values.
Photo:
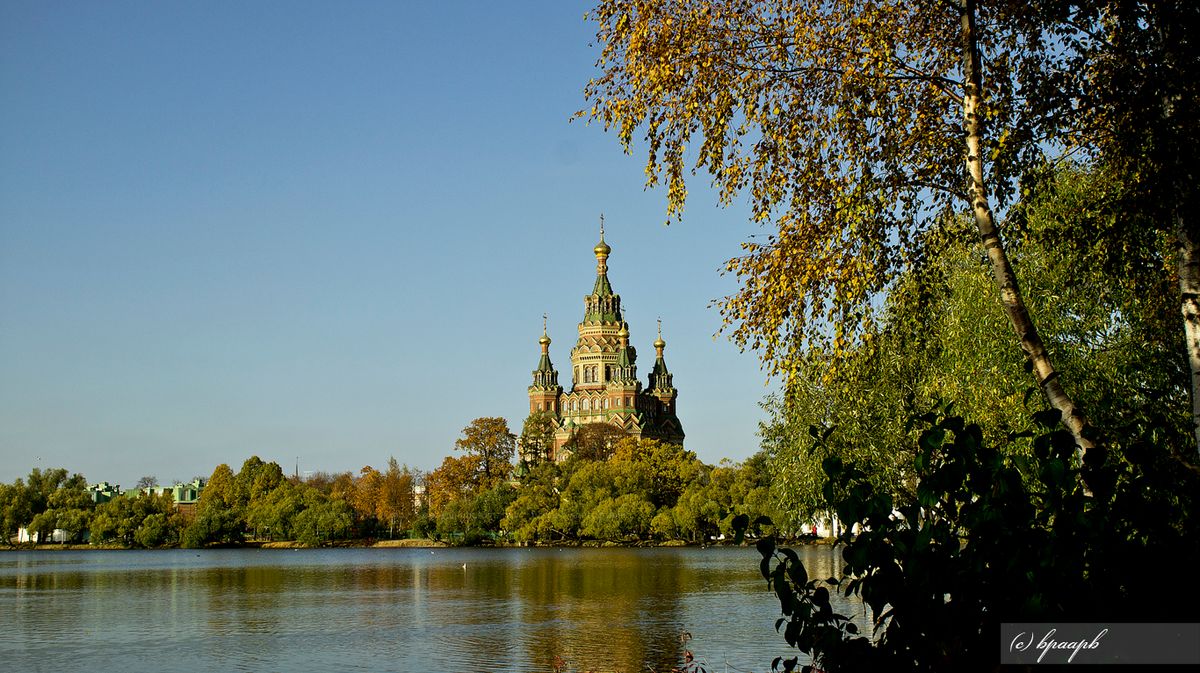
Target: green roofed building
(604, 385)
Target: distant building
(604, 387)
(57, 535)
(103, 492)
(185, 496)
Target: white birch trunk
(1188, 264)
(1002, 272)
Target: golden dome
(659, 343)
(624, 333)
(545, 340)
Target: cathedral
(604, 385)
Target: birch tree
(1134, 75)
(854, 127)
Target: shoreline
(417, 544)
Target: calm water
(389, 609)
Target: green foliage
(25, 503)
(122, 520)
(708, 505)
(55, 501)
(323, 521)
(627, 516)
(215, 523)
(527, 518)
(668, 466)
(942, 336)
(537, 438)
(158, 530)
(645, 489)
(15, 509)
(273, 514)
(471, 520)
(990, 536)
(255, 480)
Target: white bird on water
(464, 566)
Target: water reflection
(604, 610)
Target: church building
(604, 383)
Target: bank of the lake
(391, 609)
(408, 544)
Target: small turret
(545, 377)
(625, 371)
(660, 378)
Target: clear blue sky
(322, 231)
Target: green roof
(602, 287)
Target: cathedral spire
(602, 304)
(625, 371)
(602, 288)
(545, 375)
(660, 378)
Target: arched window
(540, 406)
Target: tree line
(256, 503)
(612, 488)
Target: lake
(418, 610)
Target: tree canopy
(843, 124)
(490, 441)
(858, 129)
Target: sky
(323, 234)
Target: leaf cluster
(990, 538)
